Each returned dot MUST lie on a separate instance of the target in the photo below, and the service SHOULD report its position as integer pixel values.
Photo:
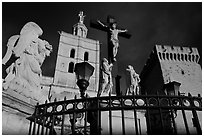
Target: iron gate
(161, 113)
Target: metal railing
(63, 117)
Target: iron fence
(84, 115)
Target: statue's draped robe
(107, 84)
(132, 80)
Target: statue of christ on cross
(113, 33)
(114, 42)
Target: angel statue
(132, 81)
(107, 84)
(29, 51)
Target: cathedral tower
(75, 48)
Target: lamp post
(172, 88)
(83, 73)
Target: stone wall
(15, 109)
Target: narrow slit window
(193, 58)
(160, 55)
(167, 56)
(175, 56)
(189, 57)
(186, 57)
(163, 54)
(171, 56)
(182, 57)
(179, 57)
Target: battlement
(174, 53)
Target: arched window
(71, 67)
(72, 53)
(82, 32)
(86, 56)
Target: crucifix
(113, 32)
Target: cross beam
(110, 19)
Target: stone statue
(132, 81)
(107, 84)
(113, 40)
(24, 74)
(81, 17)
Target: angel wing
(10, 46)
(31, 31)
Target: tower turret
(80, 29)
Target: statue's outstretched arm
(101, 23)
(123, 30)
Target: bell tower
(80, 29)
(75, 48)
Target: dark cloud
(178, 24)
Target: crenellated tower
(172, 64)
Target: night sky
(178, 24)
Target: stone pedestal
(15, 109)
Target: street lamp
(83, 73)
(172, 88)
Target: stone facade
(170, 63)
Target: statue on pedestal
(81, 17)
(107, 84)
(132, 81)
(29, 51)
